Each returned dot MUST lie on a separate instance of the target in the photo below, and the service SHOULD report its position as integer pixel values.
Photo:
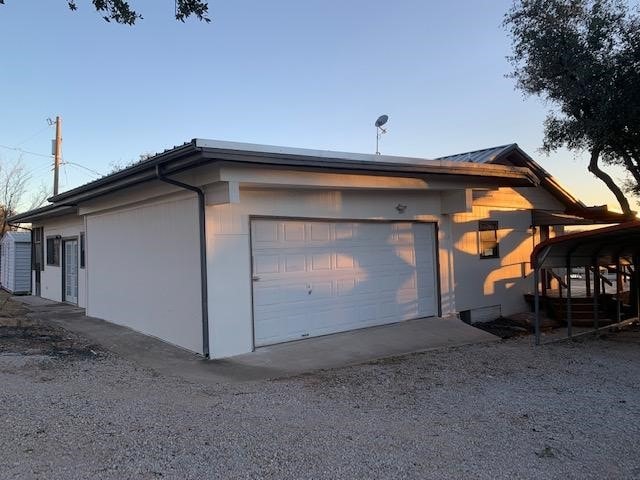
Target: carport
(617, 246)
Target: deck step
(582, 322)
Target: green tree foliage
(583, 57)
(120, 11)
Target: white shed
(15, 262)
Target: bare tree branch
(14, 185)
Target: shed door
(313, 278)
(70, 276)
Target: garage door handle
(255, 278)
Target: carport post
(596, 291)
(618, 290)
(536, 303)
(568, 312)
(636, 273)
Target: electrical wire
(41, 168)
(33, 136)
(66, 176)
(27, 152)
(77, 165)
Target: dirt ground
(69, 409)
(20, 335)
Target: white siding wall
(143, 259)
(51, 277)
(483, 282)
(229, 258)
(144, 266)
(498, 281)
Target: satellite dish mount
(382, 119)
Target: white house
(15, 262)
(223, 247)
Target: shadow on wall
(318, 277)
(482, 282)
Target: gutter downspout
(203, 255)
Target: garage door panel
(315, 278)
(293, 232)
(266, 263)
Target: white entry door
(70, 276)
(313, 278)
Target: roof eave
(513, 176)
(193, 154)
(43, 212)
(173, 154)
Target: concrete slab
(32, 300)
(277, 361)
(359, 346)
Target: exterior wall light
(401, 208)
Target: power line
(26, 152)
(98, 174)
(34, 135)
(66, 177)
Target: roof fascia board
(135, 178)
(196, 153)
(518, 175)
(546, 179)
(295, 177)
(150, 191)
(46, 212)
(147, 165)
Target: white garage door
(313, 278)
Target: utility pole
(57, 152)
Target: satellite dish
(382, 119)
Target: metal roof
(200, 151)
(505, 165)
(485, 155)
(603, 245)
(48, 211)
(577, 213)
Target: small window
(37, 256)
(53, 251)
(488, 238)
(82, 255)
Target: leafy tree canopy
(583, 57)
(120, 11)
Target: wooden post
(536, 303)
(568, 309)
(596, 291)
(57, 152)
(618, 290)
(587, 279)
(636, 274)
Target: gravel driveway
(506, 410)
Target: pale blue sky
(306, 73)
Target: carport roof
(603, 245)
